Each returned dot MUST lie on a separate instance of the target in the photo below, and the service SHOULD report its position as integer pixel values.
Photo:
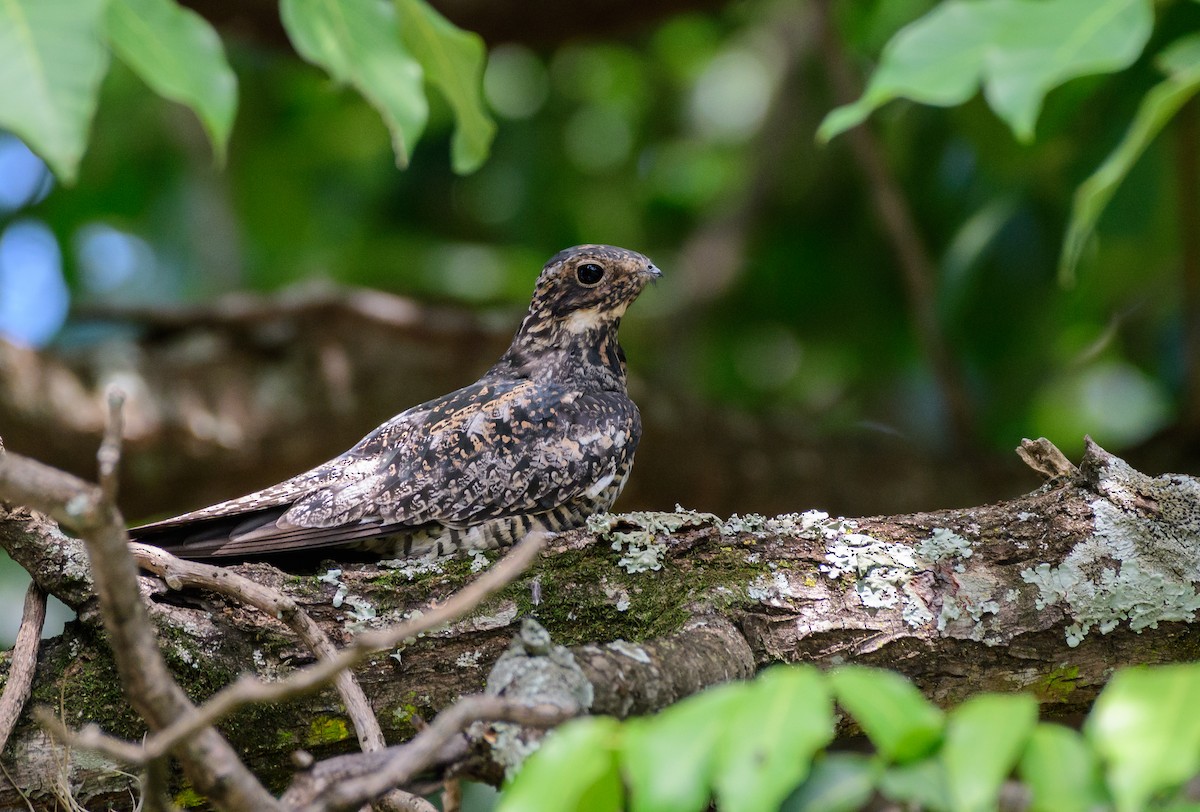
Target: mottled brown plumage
(544, 439)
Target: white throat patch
(591, 318)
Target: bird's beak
(651, 270)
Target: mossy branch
(1044, 593)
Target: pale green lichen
(360, 615)
(479, 560)
(973, 599)
(777, 584)
(942, 544)
(883, 572)
(641, 552)
(1143, 563)
(915, 613)
(642, 537)
(618, 595)
(810, 523)
(413, 568)
(469, 659)
(630, 650)
(950, 611)
(333, 577)
(534, 668)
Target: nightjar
(543, 440)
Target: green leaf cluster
(1017, 51)
(761, 746)
(54, 54)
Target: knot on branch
(538, 671)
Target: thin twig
(900, 228)
(298, 302)
(109, 455)
(156, 783)
(208, 760)
(8, 777)
(181, 574)
(350, 781)
(23, 662)
(248, 690)
(452, 795)
(89, 737)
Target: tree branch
(247, 689)
(1045, 593)
(22, 661)
(207, 759)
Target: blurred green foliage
(693, 141)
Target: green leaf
(52, 59)
(179, 55)
(453, 60)
(1181, 61)
(921, 783)
(984, 738)
(358, 42)
(668, 758)
(782, 720)
(1061, 771)
(574, 769)
(899, 721)
(1018, 50)
(1146, 727)
(839, 782)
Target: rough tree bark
(1046, 593)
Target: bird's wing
(501, 449)
(489, 450)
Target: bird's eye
(589, 273)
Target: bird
(544, 439)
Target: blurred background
(865, 327)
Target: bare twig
(398, 800)
(13, 784)
(452, 795)
(1044, 457)
(248, 690)
(346, 782)
(181, 574)
(156, 783)
(109, 455)
(300, 301)
(23, 662)
(901, 230)
(89, 737)
(209, 762)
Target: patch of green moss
(304, 586)
(575, 607)
(397, 588)
(406, 711)
(1057, 685)
(87, 688)
(188, 798)
(326, 730)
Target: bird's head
(588, 287)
